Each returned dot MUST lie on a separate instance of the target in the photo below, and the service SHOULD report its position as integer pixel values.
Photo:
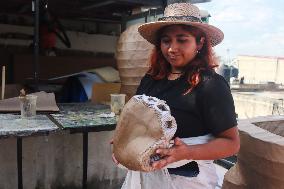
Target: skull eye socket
(162, 107)
(169, 124)
(151, 99)
(154, 157)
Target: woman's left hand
(179, 151)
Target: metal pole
(277, 70)
(35, 10)
(85, 159)
(19, 163)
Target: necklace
(177, 72)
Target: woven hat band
(180, 18)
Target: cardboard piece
(107, 74)
(45, 102)
(233, 179)
(261, 157)
(101, 92)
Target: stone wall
(260, 161)
(55, 161)
(253, 104)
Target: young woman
(182, 73)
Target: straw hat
(180, 13)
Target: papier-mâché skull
(145, 124)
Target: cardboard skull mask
(144, 125)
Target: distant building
(261, 69)
(227, 72)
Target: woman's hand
(179, 151)
(225, 144)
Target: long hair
(203, 61)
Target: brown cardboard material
(132, 56)
(233, 179)
(45, 102)
(261, 157)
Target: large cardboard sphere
(132, 56)
(260, 161)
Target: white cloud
(267, 44)
(250, 26)
(229, 15)
(281, 28)
(275, 39)
(247, 15)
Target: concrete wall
(55, 161)
(261, 69)
(253, 104)
(248, 106)
(280, 71)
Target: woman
(182, 73)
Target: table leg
(85, 159)
(19, 163)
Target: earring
(197, 52)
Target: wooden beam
(144, 2)
(199, 1)
(130, 2)
(144, 14)
(190, 1)
(98, 4)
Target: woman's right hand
(179, 151)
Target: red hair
(204, 60)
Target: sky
(251, 27)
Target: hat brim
(149, 30)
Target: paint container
(28, 106)
(117, 102)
